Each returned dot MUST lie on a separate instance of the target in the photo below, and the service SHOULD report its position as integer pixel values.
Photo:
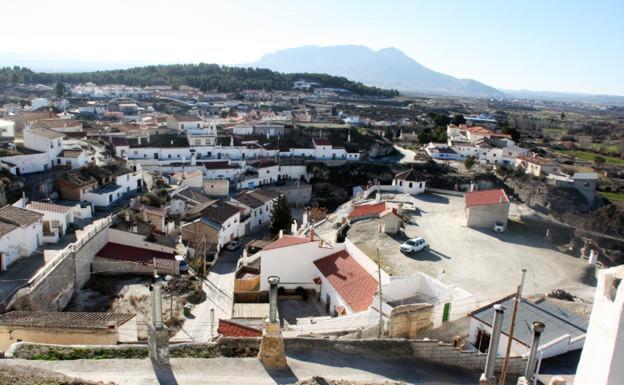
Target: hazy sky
(575, 46)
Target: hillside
(207, 77)
(388, 68)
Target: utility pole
(510, 340)
(380, 332)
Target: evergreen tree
(280, 215)
(469, 161)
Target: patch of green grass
(610, 148)
(555, 133)
(590, 157)
(613, 196)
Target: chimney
(281, 233)
(127, 216)
(488, 376)
(139, 140)
(134, 228)
(537, 328)
(311, 232)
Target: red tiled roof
(232, 329)
(321, 142)
(130, 253)
(354, 284)
(479, 130)
(285, 241)
(367, 210)
(485, 197)
(540, 160)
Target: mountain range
(387, 68)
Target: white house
(191, 179)
(45, 140)
(409, 182)
(56, 218)
(7, 128)
(536, 165)
(256, 207)
(38, 103)
(184, 122)
(21, 232)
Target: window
(169, 156)
(410, 185)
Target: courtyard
(487, 264)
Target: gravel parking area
(480, 261)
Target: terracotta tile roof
(367, 210)
(479, 130)
(119, 141)
(130, 253)
(57, 123)
(18, 216)
(233, 329)
(217, 165)
(540, 160)
(485, 197)
(321, 142)
(37, 115)
(187, 118)
(70, 153)
(6, 228)
(185, 175)
(354, 284)
(219, 211)
(46, 132)
(285, 241)
(247, 199)
(64, 320)
(44, 206)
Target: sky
(554, 45)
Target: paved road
(408, 155)
(219, 289)
(302, 365)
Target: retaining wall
(432, 351)
(447, 354)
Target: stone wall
(53, 286)
(406, 321)
(447, 354)
(300, 195)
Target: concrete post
(488, 375)
(158, 333)
(537, 328)
(272, 352)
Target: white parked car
(414, 245)
(233, 245)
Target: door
(447, 312)
(327, 303)
(482, 342)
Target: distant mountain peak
(388, 68)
